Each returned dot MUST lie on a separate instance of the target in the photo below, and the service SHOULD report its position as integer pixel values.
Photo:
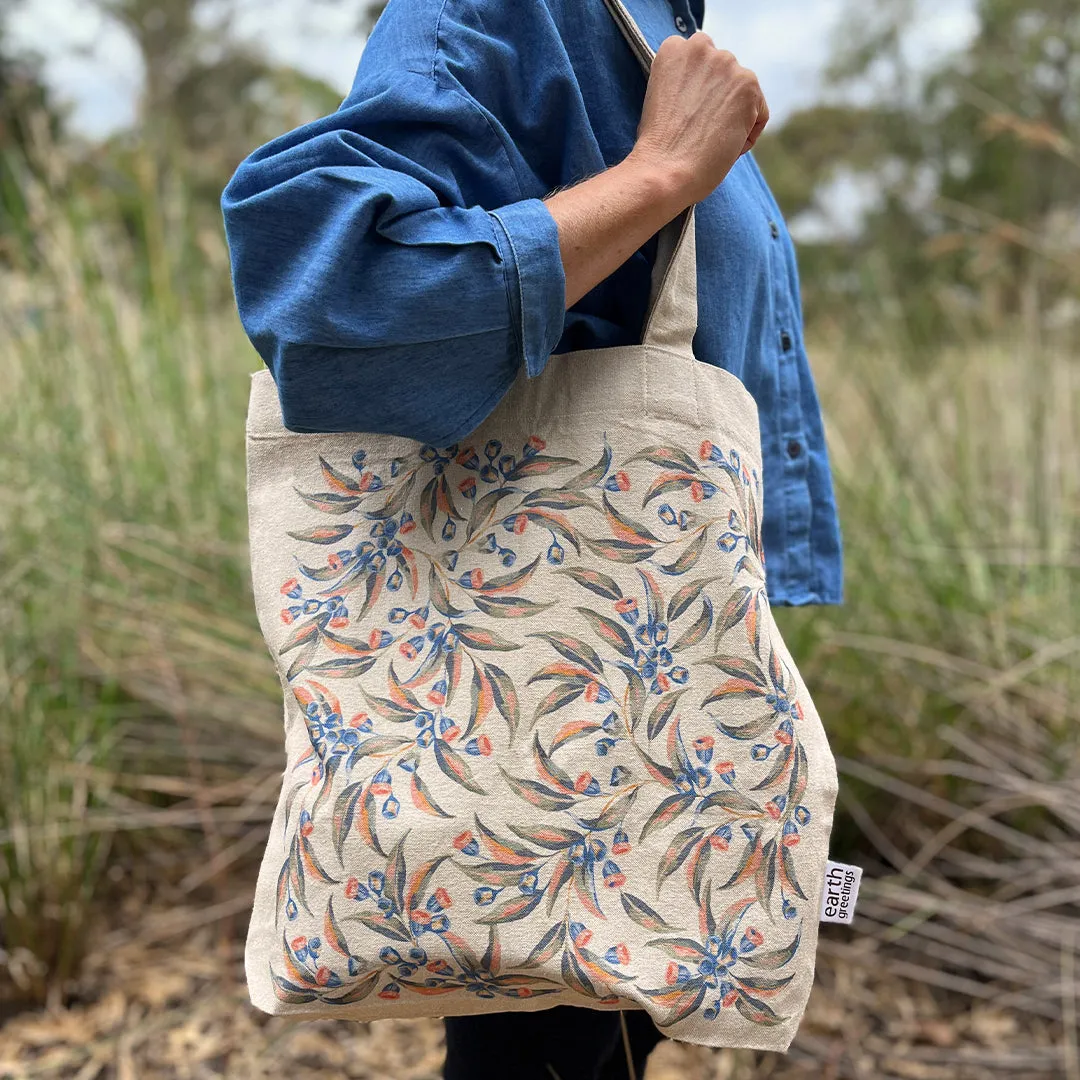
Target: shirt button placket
(796, 494)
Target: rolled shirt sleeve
(529, 246)
(387, 266)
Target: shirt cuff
(528, 242)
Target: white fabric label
(840, 893)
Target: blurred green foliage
(974, 161)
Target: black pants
(563, 1043)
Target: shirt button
(680, 24)
(794, 449)
(785, 341)
(775, 230)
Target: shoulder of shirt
(440, 38)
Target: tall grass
(128, 652)
(139, 713)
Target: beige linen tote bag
(544, 743)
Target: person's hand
(702, 111)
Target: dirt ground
(168, 1000)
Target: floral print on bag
(548, 716)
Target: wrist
(665, 185)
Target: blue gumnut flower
(802, 815)
(667, 514)
(291, 910)
(485, 895)
(556, 553)
(759, 751)
(391, 807)
(439, 924)
(376, 881)
(390, 955)
(788, 909)
(395, 581)
(613, 876)
(358, 459)
(528, 881)
(449, 530)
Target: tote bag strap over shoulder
(672, 315)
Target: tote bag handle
(671, 319)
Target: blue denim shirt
(395, 266)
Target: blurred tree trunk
(209, 98)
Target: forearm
(605, 219)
